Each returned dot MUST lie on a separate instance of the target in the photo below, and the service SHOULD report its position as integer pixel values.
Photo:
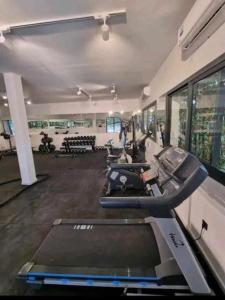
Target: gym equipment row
(150, 254)
(100, 148)
(87, 138)
(76, 145)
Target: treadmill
(150, 254)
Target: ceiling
(54, 59)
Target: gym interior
(112, 147)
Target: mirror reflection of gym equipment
(112, 148)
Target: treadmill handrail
(160, 204)
(128, 166)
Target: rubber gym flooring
(72, 191)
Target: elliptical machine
(46, 146)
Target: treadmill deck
(116, 250)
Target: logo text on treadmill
(176, 241)
(83, 227)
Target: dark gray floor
(72, 191)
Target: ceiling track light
(102, 17)
(82, 91)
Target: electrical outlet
(204, 225)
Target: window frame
(168, 124)
(154, 103)
(190, 82)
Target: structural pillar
(18, 114)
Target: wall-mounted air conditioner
(205, 17)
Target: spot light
(122, 112)
(6, 104)
(79, 92)
(110, 113)
(29, 102)
(4, 97)
(2, 38)
(113, 89)
(105, 29)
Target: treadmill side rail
(26, 269)
(183, 255)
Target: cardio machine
(117, 154)
(150, 254)
(130, 176)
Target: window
(113, 124)
(160, 126)
(145, 120)
(152, 120)
(100, 123)
(58, 124)
(87, 123)
(149, 120)
(8, 127)
(138, 122)
(208, 120)
(197, 119)
(37, 124)
(179, 109)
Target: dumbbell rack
(77, 145)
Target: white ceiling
(54, 59)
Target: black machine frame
(180, 174)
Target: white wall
(174, 70)
(85, 107)
(208, 202)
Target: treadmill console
(179, 174)
(175, 165)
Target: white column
(18, 114)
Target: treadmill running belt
(99, 247)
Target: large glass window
(37, 124)
(58, 124)
(179, 108)
(208, 120)
(100, 123)
(152, 120)
(145, 120)
(8, 127)
(149, 120)
(113, 124)
(87, 123)
(160, 126)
